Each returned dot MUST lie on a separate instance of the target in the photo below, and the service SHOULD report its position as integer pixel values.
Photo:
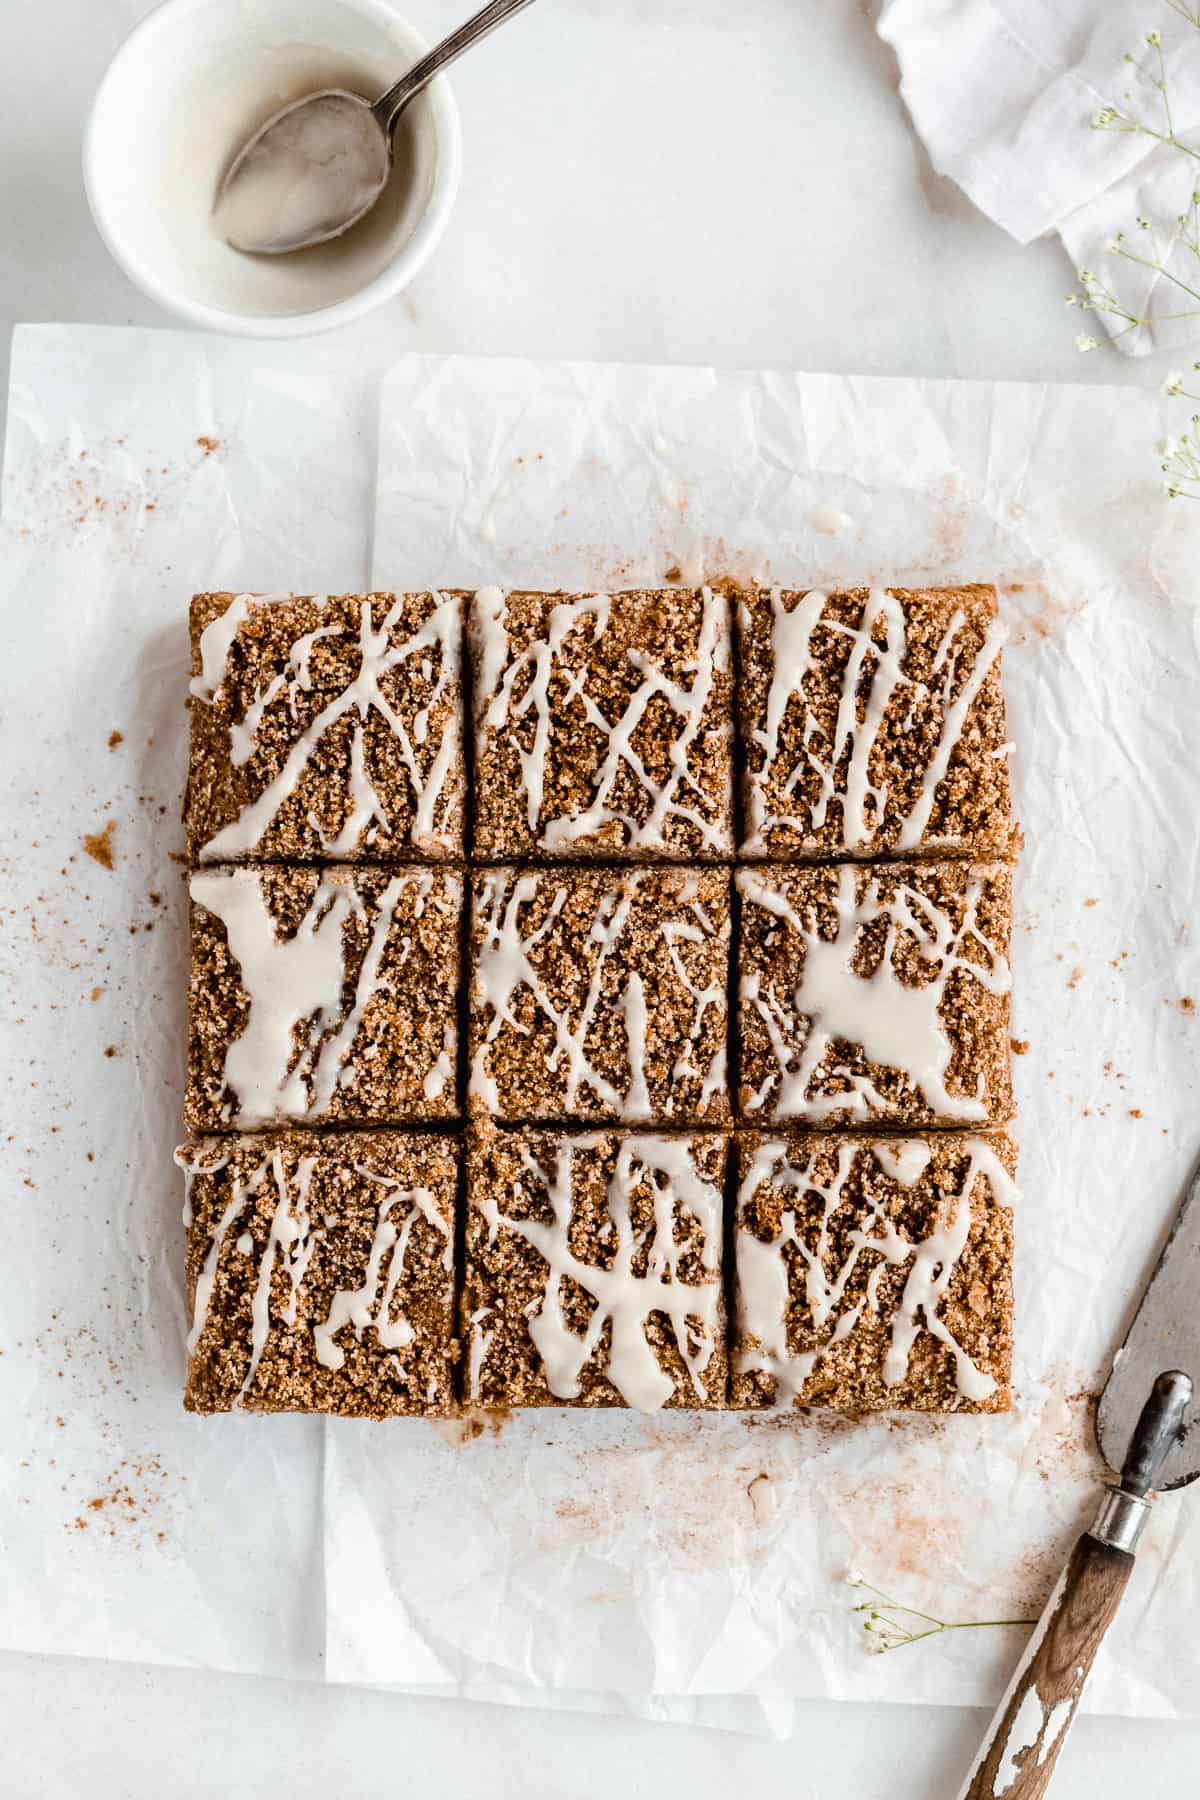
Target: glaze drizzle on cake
(862, 991)
(594, 1269)
(322, 995)
(599, 994)
(849, 1253)
(326, 726)
(601, 724)
(872, 721)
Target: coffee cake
(599, 994)
(876, 994)
(874, 1275)
(325, 727)
(322, 996)
(320, 1273)
(603, 725)
(593, 1270)
(873, 723)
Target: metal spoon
(317, 167)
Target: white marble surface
(724, 181)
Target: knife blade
(1165, 1334)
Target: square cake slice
(321, 996)
(325, 727)
(874, 1276)
(603, 725)
(599, 994)
(320, 1273)
(873, 723)
(876, 994)
(593, 1270)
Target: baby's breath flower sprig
(1168, 251)
(889, 1625)
(1180, 456)
(1125, 118)
(1149, 249)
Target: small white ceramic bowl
(182, 94)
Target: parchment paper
(606, 1561)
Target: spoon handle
(388, 107)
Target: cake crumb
(1019, 1046)
(1076, 976)
(209, 444)
(96, 993)
(111, 1050)
(115, 738)
(1092, 902)
(1135, 1112)
(99, 845)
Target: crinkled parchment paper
(677, 1566)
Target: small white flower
(1113, 246)
(1084, 343)
(1171, 491)
(1154, 39)
(1106, 116)
(855, 1578)
(1173, 384)
(1071, 299)
(1166, 447)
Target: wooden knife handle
(1032, 1720)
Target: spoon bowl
(310, 173)
(317, 167)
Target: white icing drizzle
(954, 716)
(364, 695)
(637, 1097)
(682, 931)
(207, 1278)
(622, 1298)
(291, 1235)
(366, 809)
(862, 804)
(905, 1160)
(298, 982)
(442, 1070)
(830, 520)
(190, 1171)
(216, 641)
(297, 677)
(290, 1246)
(367, 1306)
(481, 1343)
(894, 1025)
(506, 963)
(499, 671)
(762, 1269)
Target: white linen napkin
(1003, 94)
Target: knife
(1146, 1426)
